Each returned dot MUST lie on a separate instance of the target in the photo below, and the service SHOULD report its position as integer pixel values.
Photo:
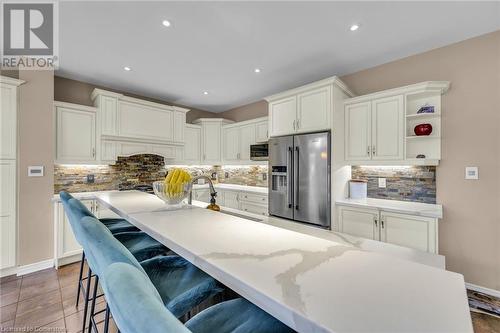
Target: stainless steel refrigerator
(299, 182)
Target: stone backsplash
(250, 175)
(145, 169)
(406, 183)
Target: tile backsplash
(145, 169)
(406, 183)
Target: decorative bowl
(423, 129)
(172, 194)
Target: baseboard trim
(484, 290)
(8, 271)
(35, 267)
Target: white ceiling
(215, 46)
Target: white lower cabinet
(7, 214)
(411, 231)
(251, 202)
(67, 248)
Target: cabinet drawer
(253, 198)
(253, 208)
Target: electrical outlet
(471, 173)
(226, 174)
(382, 183)
(264, 176)
(90, 179)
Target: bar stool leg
(80, 279)
(106, 320)
(85, 308)
(92, 306)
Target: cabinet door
(211, 143)
(359, 222)
(231, 143)
(192, 148)
(282, 116)
(253, 208)
(247, 138)
(388, 128)
(145, 122)
(179, 126)
(313, 110)
(261, 131)
(202, 194)
(76, 135)
(8, 123)
(68, 245)
(231, 199)
(357, 131)
(408, 230)
(108, 113)
(7, 213)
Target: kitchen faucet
(213, 193)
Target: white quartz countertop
(234, 187)
(403, 207)
(309, 283)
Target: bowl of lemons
(175, 188)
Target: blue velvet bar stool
(115, 225)
(180, 284)
(137, 308)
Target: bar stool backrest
(135, 304)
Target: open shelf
(413, 137)
(423, 115)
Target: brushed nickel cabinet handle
(376, 222)
(368, 150)
(294, 125)
(373, 150)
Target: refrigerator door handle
(296, 179)
(290, 174)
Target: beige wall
(246, 112)
(469, 234)
(72, 91)
(36, 147)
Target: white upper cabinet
(262, 131)
(379, 126)
(305, 109)
(314, 110)
(231, 143)
(8, 117)
(358, 131)
(192, 147)
(211, 139)
(388, 128)
(238, 137)
(75, 133)
(283, 116)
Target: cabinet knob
(373, 150)
(375, 221)
(368, 150)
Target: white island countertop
(309, 283)
(235, 187)
(395, 206)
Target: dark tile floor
(46, 301)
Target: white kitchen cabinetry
(211, 139)
(7, 213)
(9, 92)
(407, 230)
(375, 130)
(379, 126)
(305, 109)
(262, 131)
(75, 133)
(237, 138)
(256, 203)
(192, 146)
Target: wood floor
(47, 300)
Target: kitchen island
(309, 283)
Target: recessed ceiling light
(354, 27)
(257, 70)
(128, 69)
(166, 23)
(205, 93)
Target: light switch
(382, 183)
(471, 173)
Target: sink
(246, 217)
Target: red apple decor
(423, 129)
